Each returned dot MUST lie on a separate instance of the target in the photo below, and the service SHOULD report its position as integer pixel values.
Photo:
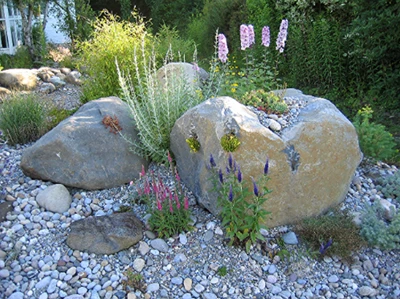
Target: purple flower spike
(265, 36)
(212, 161)
(251, 35)
(255, 188)
(239, 176)
(228, 171)
(221, 176)
(266, 166)
(244, 37)
(281, 40)
(230, 197)
(230, 161)
(222, 48)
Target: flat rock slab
(105, 234)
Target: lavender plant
(168, 206)
(242, 211)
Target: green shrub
(168, 39)
(375, 141)
(21, 59)
(155, 106)
(336, 229)
(112, 40)
(23, 119)
(390, 185)
(377, 232)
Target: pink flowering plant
(241, 210)
(218, 66)
(255, 73)
(167, 205)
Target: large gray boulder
(24, 79)
(105, 234)
(81, 152)
(194, 75)
(311, 163)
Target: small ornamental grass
(331, 234)
(168, 205)
(242, 211)
(23, 118)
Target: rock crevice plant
(242, 211)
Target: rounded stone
(187, 284)
(153, 287)
(138, 264)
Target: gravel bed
(35, 261)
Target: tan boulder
(24, 79)
(311, 164)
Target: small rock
(274, 125)
(183, 239)
(143, 248)
(199, 288)
(4, 273)
(159, 244)
(218, 231)
(176, 280)
(55, 198)
(333, 278)
(187, 283)
(366, 291)
(208, 236)
(261, 284)
(138, 264)
(209, 296)
(153, 287)
(272, 279)
(290, 238)
(389, 209)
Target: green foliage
(375, 141)
(112, 40)
(21, 59)
(229, 142)
(194, 144)
(389, 185)
(241, 211)
(168, 40)
(55, 116)
(39, 44)
(23, 119)
(134, 281)
(266, 101)
(168, 206)
(337, 227)
(155, 105)
(222, 15)
(222, 271)
(172, 13)
(377, 232)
